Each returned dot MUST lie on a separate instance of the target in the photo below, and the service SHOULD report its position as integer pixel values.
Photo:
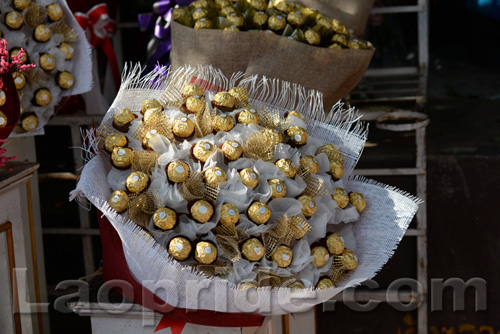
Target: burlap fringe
(142, 206)
(203, 122)
(315, 186)
(280, 234)
(194, 188)
(261, 145)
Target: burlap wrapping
(333, 72)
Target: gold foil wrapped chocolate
(192, 90)
(222, 122)
(340, 39)
(178, 171)
(260, 18)
(115, 140)
(195, 104)
(296, 18)
(68, 50)
(21, 4)
(237, 20)
(15, 51)
(330, 150)
(205, 252)
(296, 114)
(335, 244)
(137, 182)
(200, 13)
(253, 250)
(247, 286)
(123, 118)
(224, 99)
(43, 97)
(118, 201)
(223, 3)
(358, 200)
(276, 22)
(240, 94)
(320, 256)
(324, 283)
(42, 33)
(47, 62)
(299, 227)
(249, 178)
(340, 197)
(3, 97)
(202, 211)
(203, 23)
(29, 123)
(335, 46)
(231, 28)
(227, 10)
(65, 80)
(336, 168)
(150, 104)
(348, 259)
(201, 4)
(121, 157)
(229, 214)
(147, 137)
(202, 150)
(308, 205)
(287, 166)
(14, 20)
(298, 135)
(55, 12)
(259, 213)
(19, 80)
(165, 218)
(278, 188)
(296, 286)
(310, 164)
(183, 127)
(284, 6)
(258, 4)
(179, 248)
(283, 256)
(232, 150)
(249, 116)
(312, 37)
(3, 120)
(178, 13)
(213, 176)
(339, 28)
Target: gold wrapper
(340, 39)
(178, 13)
(42, 33)
(123, 118)
(192, 90)
(203, 122)
(202, 211)
(348, 259)
(340, 197)
(65, 80)
(115, 140)
(308, 205)
(309, 163)
(147, 137)
(137, 182)
(240, 94)
(119, 201)
(299, 227)
(144, 161)
(21, 4)
(249, 116)
(287, 166)
(200, 13)
(283, 256)
(253, 250)
(47, 62)
(222, 3)
(165, 219)
(150, 114)
(249, 178)
(276, 22)
(228, 10)
(259, 213)
(358, 200)
(195, 188)
(331, 151)
(201, 3)
(278, 188)
(284, 6)
(205, 252)
(298, 135)
(261, 145)
(231, 28)
(43, 97)
(203, 23)
(29, 123)
(296, 114)
(258, 4)
(222, 122)
(14, 52)
(336, 46)
(150, 104)
(195, 104)
(213, 176)
(280, 234)
(121, 157)
(178, 171)
(232, 150)
(312, 37)
(19, 80)
(55, 12)
(68, 50)
(224, 99)
(183, 127)
(14, 20)
(315, 185)
(157, 123)
(3, 119)
(335, 244)
(237, 20)
(320, 256)
(339, 28)
(3, 97)
(353, 44)
(229, 214)
(62, 28)
(260, 18)
(336, 169)
(324, 283)
(296, 18)
(247, 286)
(202, 150)
(37, 75)
(296, 286)
(179, 248)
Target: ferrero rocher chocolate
(200, 13)
(192, 90)
(65, 80)
(260, 18)
(249, 116)
(284, 6)
(177, 171)
(68, 50)
(253, 249)
(298, 135)
(150, 104)
(29, 123)
(298, 226)
(43, 97)
(258, 4)
(231, 28)
(249, 177)
(339, 28)
(201, 4)
(336, 168)
(121, 157)
(340, 39)
(55, 12)
(247, 286)
(348, 259)
(296, 114)
(330, 150)
(358, 200)
(320, 256)
(324, 283)
(183, 127)
(340, 197)
(223, 99)
(228, 10)
(149, 135)
(123, 118)
(137, 182)
(42, 33)
(47, 62)
(335, 244)
(205, 252)
(278, 188)
(213, 176)
(222, 3)
(3, 98)
(203, 23)
(115, 140)
(236, 20)
(296, 286)
(287, 166)
(283, 256)
(202, 150)
(336, 46)
(15, 51)
(202, 211)
(179, 248)
(14, 20)
(232, 150)
(312, 37)
(259, 213)
(195, 104)
(310, 163)
(3, 120)
(21, 4)
(239, 93)
(229, 214)
(19, 80)
(118, 201)
(222, 122)
(276, 22)
(165, 218)
(296, 18)
(308, 205)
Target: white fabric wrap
(373, 235)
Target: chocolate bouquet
(241, 185)
(51, 38)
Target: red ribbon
(101, 27)
(175, 325)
